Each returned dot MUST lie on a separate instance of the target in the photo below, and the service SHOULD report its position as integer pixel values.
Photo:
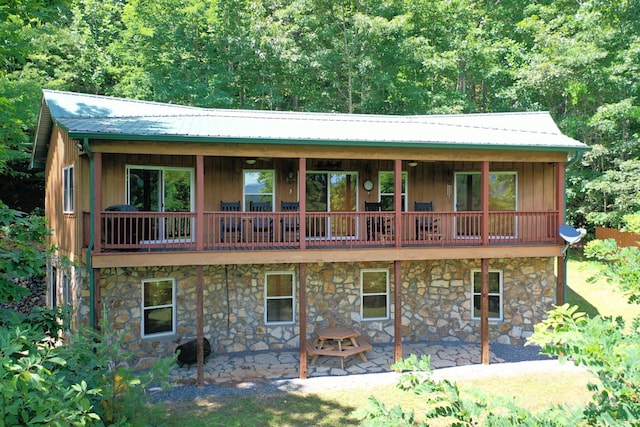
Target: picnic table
(339, 341)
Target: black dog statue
(188, 352)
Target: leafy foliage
(607, 349)
(83, 381)
(444, 404)
(22, 250)
(621, 263)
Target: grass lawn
(335, 408)
(600, 298)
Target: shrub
(82, 380)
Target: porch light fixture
(290, 178)
(80, 146)
(413, 163)
(251, 161)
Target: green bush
(83, 380)
(444, 404)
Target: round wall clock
(368, 185)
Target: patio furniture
(230, 224)
(290, 224)
(375, 225)
(262, 225)
(339, 342)
(426, 225)
(124, 230)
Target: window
(68, 199)
(258, 187)
(495, 294)
(279, 297)
(387, 190)
(66, 290)
(53, 287)
(375, 294)
(158, 307)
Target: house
(255, 228)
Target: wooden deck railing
(152, 231)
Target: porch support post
(199, 203)
(484, 291)
(97, 202)
(303, 319)
(397, 304)
(398, 201)
(200, 324)
(97, 238)
(561, 260)
(484, 313)
(302, 191)
(484, 200)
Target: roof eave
(42, 136)
(309, 142)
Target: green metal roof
(102, 117)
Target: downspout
(574, 159)
(92, 288)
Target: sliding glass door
(163, 189)
(332, 192)
(502, 197)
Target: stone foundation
(435, 303)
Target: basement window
(279, 297)
(375, 294)
(158, 307)
(495, 294)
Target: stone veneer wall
(435, 296)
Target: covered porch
(441, 204)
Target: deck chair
(374, 223)
(262, 225)
(289, 225)
(426, 227)
(230, 224)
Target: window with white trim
(53, 288)
(495, 294)
(158, 306)
(258, 187)
(387, 190)
(279, 291)
(66, 289)
(68, 193)
(374, 286)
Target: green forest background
(580, 60)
